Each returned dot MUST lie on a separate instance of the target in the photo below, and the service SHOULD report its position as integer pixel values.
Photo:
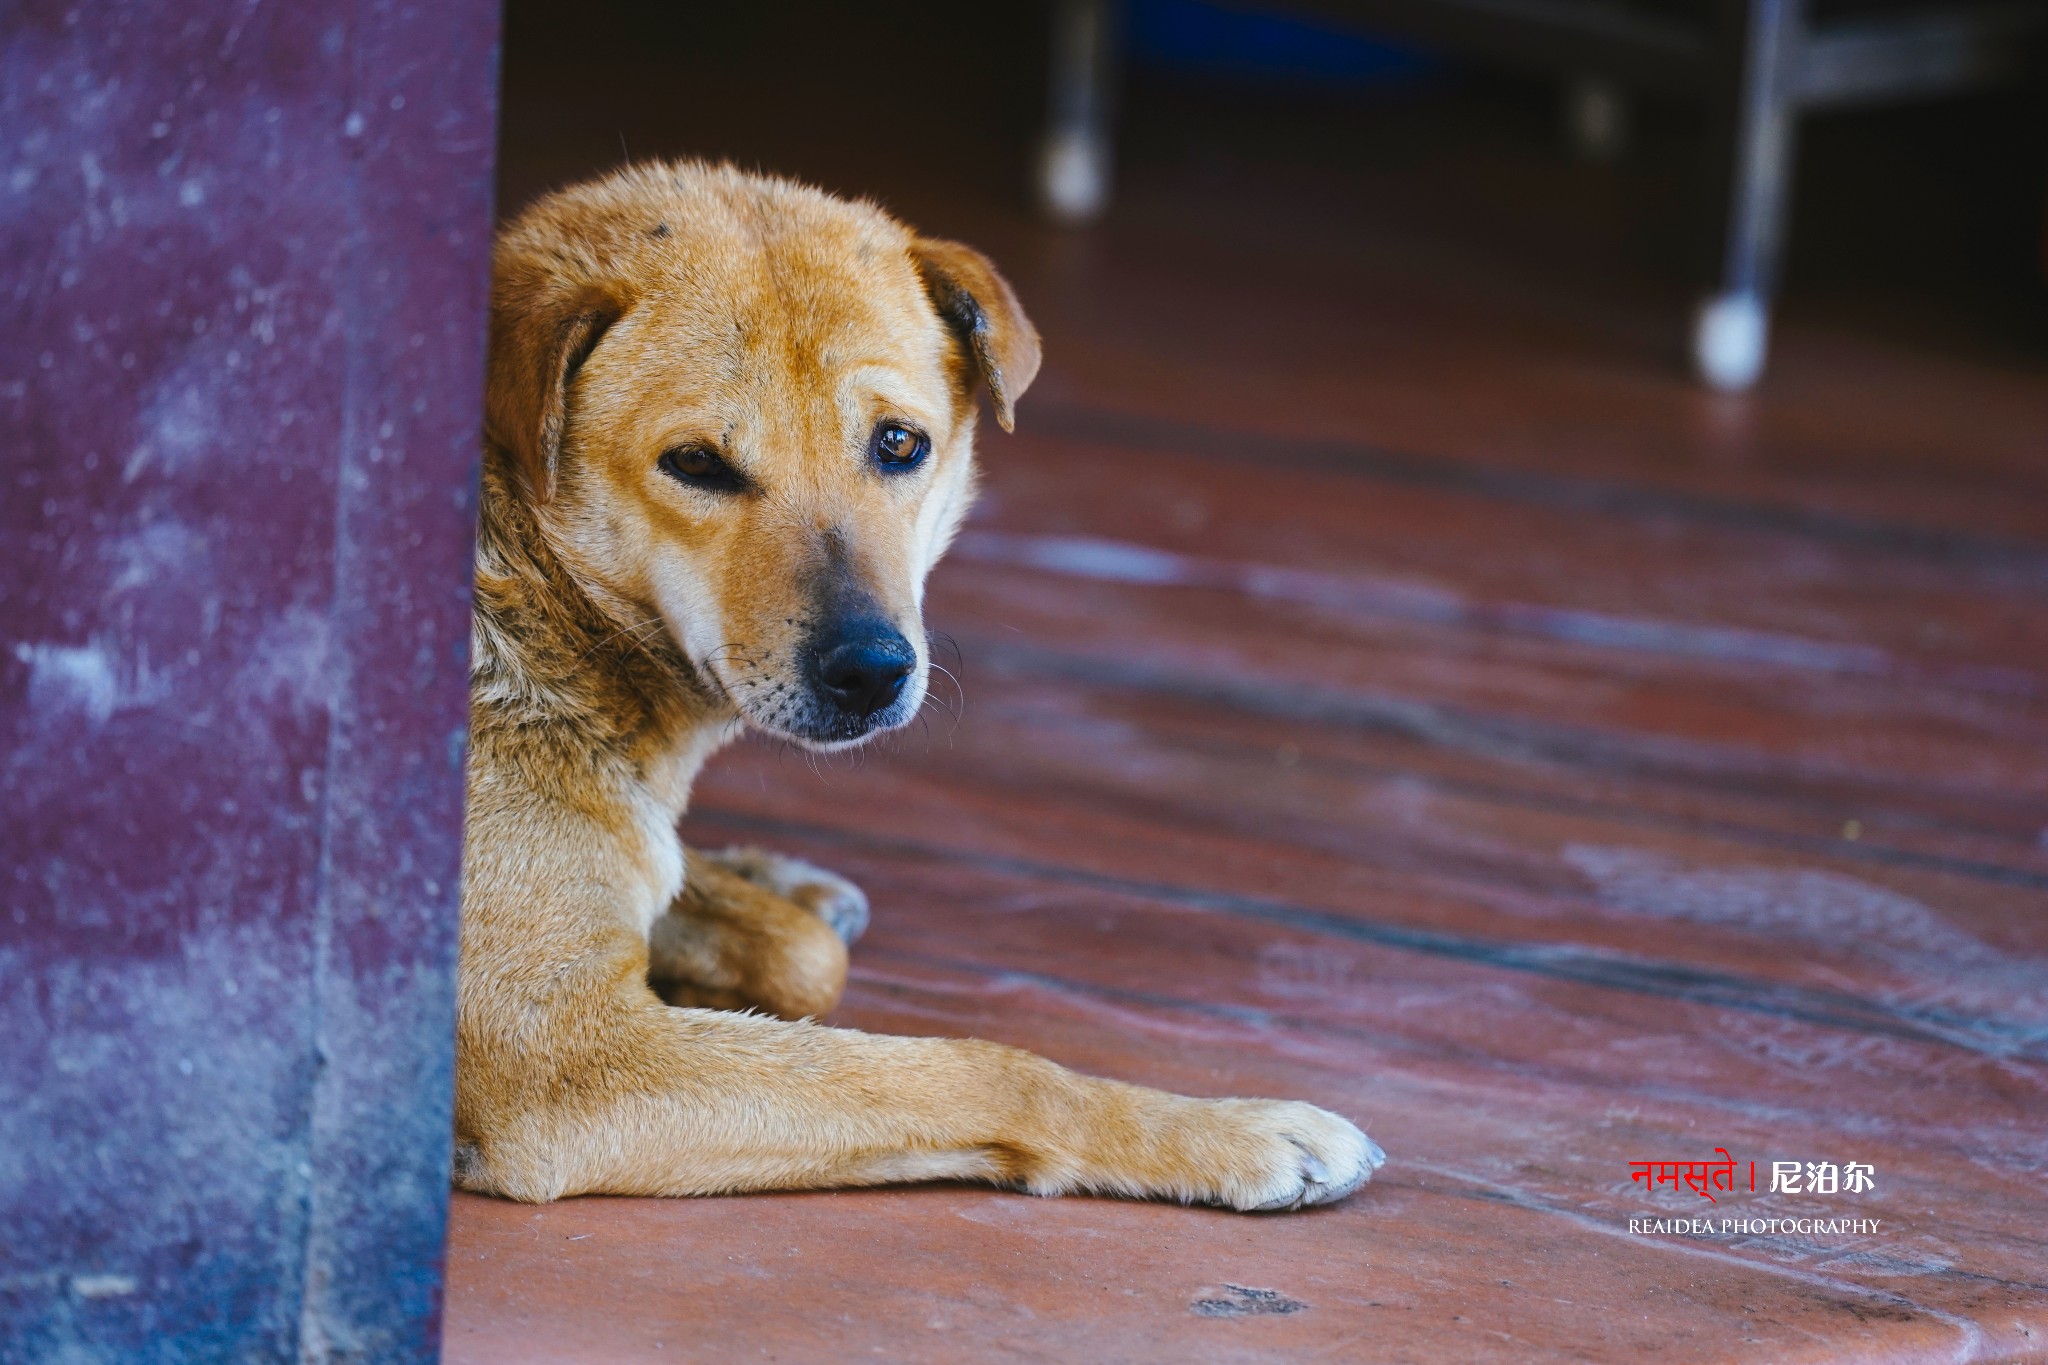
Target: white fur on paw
(1290, 1156)
(833, 899)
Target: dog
(728, 431)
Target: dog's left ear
(541, 333)
(982, 309)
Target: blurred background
(1322, 142)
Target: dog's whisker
(952, 699)
(725, 653)
(632, 630)
(959, 690)
(935, 638)
(951, 715)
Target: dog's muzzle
(857, 671)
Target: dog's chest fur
(658, 799)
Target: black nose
(860, 668)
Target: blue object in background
(1189, 35)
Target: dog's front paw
(833, 899)
(1270, 1155)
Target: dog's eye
(896, 447)
(702, 467)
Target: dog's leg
(688, 1102)
(756, 930)
(572, 1077)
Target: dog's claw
(833, 899)
(1297, 1155)
(845, 912)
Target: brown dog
(730, 431)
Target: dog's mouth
(834, 698)
(831, 729)
(818, 723)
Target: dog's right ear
(541, 333)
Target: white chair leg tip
(1073, 177)
(1730, 337)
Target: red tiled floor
(1411, 696)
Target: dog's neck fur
(559, 663)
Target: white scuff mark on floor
(1810, 904)
(1410, 599)
(1935, 966)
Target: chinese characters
(1822, 1177)
(1705, 1178)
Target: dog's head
(744, 410)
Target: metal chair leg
(1074, 162)
(1731, 331)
